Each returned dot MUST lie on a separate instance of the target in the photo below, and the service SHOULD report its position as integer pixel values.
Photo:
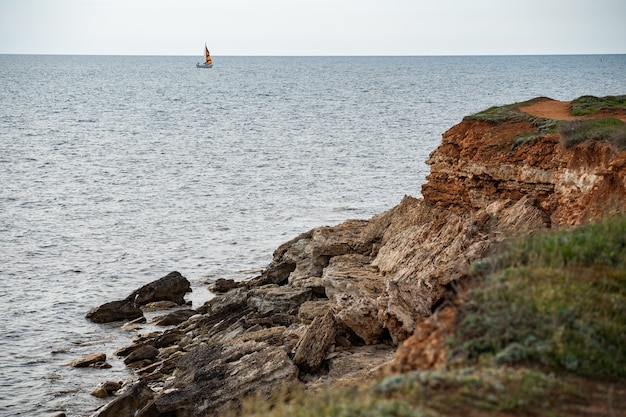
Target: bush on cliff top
(557, 299)
(587, 105)
(607, 129)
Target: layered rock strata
(336, 301)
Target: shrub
(586, 105)
(557, 299)
(607, 128)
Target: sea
(116, 170)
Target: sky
(313, 27)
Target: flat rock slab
(89, 360)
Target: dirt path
(550, 109)
(560, 110)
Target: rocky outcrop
(115, 311)
(335, 301)
(171, 287)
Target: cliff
(336, 301)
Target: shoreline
(335, 302)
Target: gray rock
(213, 379)
(129, 403)
(142, 353)
(114, 311)
(171, 287)
(173, 318)
(312, 348)
(89, 360)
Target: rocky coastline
(347, 303)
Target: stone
(222, 285)
(129, 403)
(145, 352)
(173, 318)
(278, 299)
(115, 311)
(171, 287)
(425, 348)
(353, 286)
(89, 360)
(314, 344)
(106, 389)
(213, 379)
(159, 305)
(309, 310)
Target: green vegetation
(556, 299)
(511, 113)
(607, 129)
(429, 394)
(574, 132)
(587, 105)
(543, 319)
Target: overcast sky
(313, 27)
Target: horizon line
(321, 56)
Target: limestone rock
(114, 311)
(142, 353)
(312, 348)
(129, 403)
(106, 389)
(222, 285)
(309, 310)
(95, 360)
(425, 349)
(353, 285)
(214, 378)
(173, 318)
(277, 299)
(171, 287)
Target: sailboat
(208, 63)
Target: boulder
(95, 360)
(213, 379)
(171, 287)
(222, 285)
(115, 311)
(144, 352)
(173, 318)
(106, 389)
(278, 299)
(353, 286)
(129, 403)
(312, 348)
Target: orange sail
(208, 62)
(207, 56)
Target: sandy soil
(560, 110)
(550, 109)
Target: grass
(555, 299)
(546, 316)
(573, 132)
(587, 105)
(511, 113)
(607, 129)
(487, 390)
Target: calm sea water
(115, 171)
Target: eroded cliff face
(480, 162)
(486, 185)
(335, 301)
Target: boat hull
(204, 65)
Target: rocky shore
(347, 303)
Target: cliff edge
(335, 302)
